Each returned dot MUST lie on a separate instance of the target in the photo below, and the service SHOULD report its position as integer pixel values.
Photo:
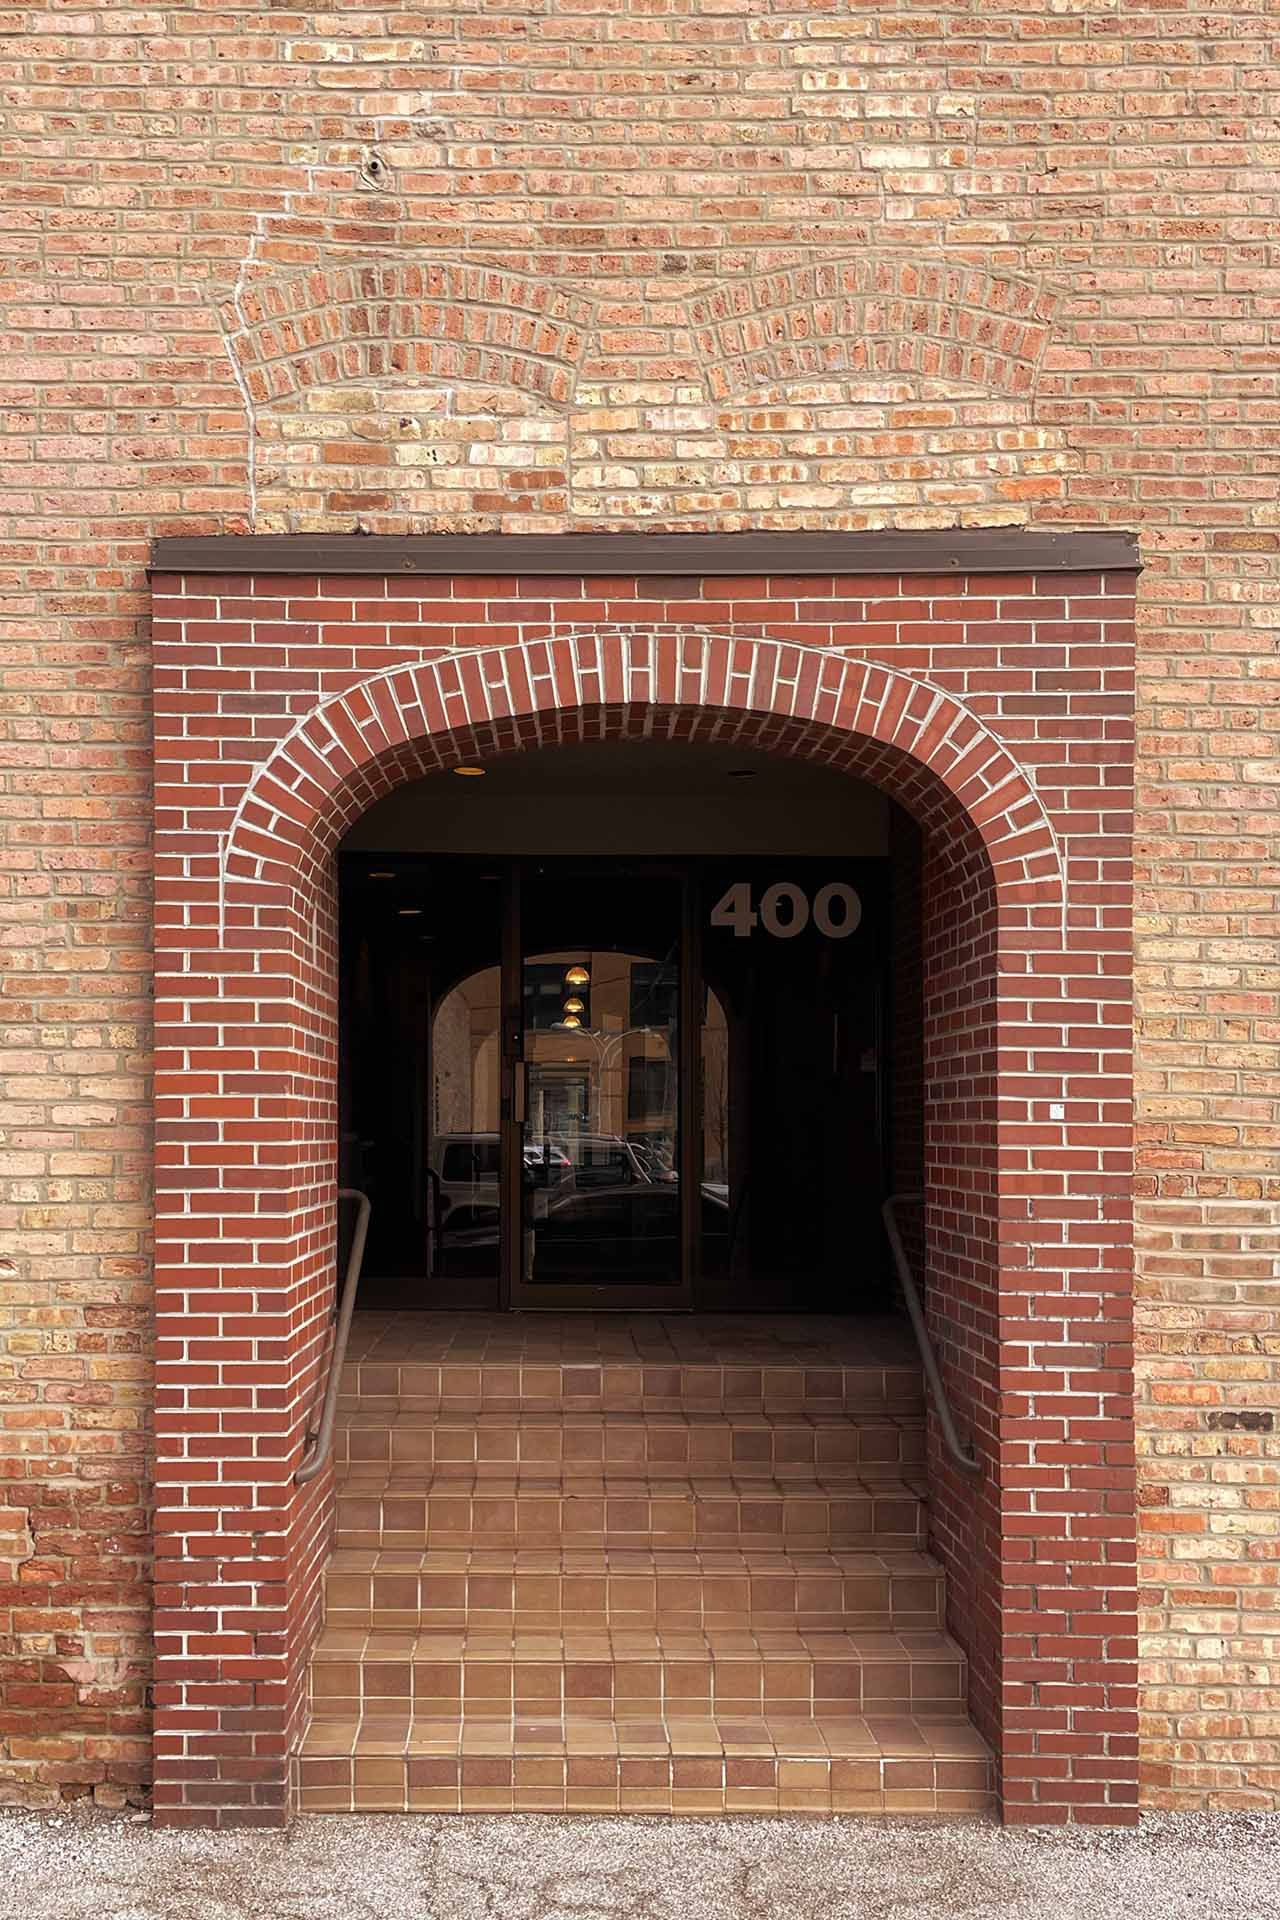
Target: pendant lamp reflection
(577, 976)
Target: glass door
(464, 1159)
(792, 1122)
(598, 1090)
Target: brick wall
(704, 268)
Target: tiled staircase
(607, 1564)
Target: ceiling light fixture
(571, 1020)
(470, 773)
(407, 913)
(576, 976)
(381, 873)
(575, 1005)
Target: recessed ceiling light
(470, 773)
(381, 873)
(407, 913)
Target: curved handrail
(963, 1456)
(320, 1438)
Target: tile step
(621, 1387)
(843, 1764)
(639, 1362)
(793, 1444)
(633, 1674)
(439, 1507)
(533, 1589)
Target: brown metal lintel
(685, 555)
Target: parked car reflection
(596, 1206)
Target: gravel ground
(418, 1867)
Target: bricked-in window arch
(962, 325)
(379, 323)
(920, 744)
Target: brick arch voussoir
(867, 318)
(410, 362)
(910, 738)
(407, 321)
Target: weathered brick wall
(622, 265)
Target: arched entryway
(1020, 1116)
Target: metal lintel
(973, 550)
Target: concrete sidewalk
(420, 1867)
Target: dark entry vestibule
(634, 1079)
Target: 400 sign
(786, 910)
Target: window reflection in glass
(602, 1092)
(465, 1160)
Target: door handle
(519, 1093)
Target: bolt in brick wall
(984, 267)
(285, 706)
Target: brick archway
(897, 730)
(265, 756)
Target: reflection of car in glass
(655, 1160)
(628, 1228)
(589, 1193)
(464, 1170)
(601, 1160)
(464, 1173)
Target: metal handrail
(433, 1221)
(962, 1456)
(320, 1438)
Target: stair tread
(458, 1476)
(366, 1416)
(626, 1643)
(442, 1337)
(634, 1560)
(901, 1736)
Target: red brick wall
(905, 1036)
(959, 947)
(696, 269)
(284, 706)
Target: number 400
(785, 910)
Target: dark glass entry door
(791, 1075)
(598, 1088)
(596, 1084)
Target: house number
(785, 910)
